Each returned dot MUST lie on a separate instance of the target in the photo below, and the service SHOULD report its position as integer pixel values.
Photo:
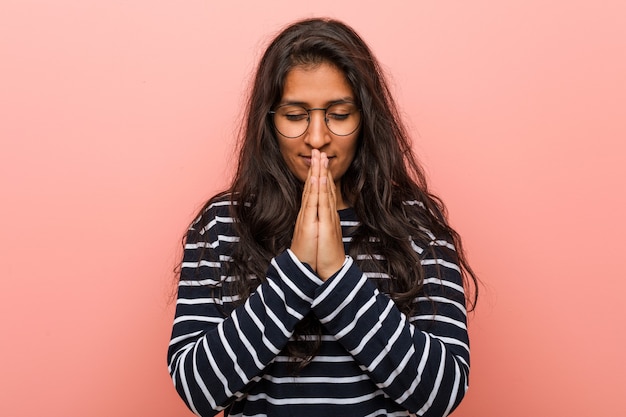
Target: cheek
(293, 163)
(349, 153)
(351, 148)
(285, 151)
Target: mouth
(307, 159)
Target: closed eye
(296, 117)
(339, 116)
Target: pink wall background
(116, 122)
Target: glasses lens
(292, 121)
(343, 118)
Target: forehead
(316, 85)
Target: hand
(317, 234)
(305, 233)
(330, 252)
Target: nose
(317, 135)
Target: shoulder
(425, 223)
(431, 236)
(216, 216)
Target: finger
(313, 180)
(325, 198)
(308, 210)
(328, 192)
(332, 190)
(306, 189)
(315, 163)
(304, 241)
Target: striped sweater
(373, 360)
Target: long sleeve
(213, 356)
(422, 363)
(372, 360)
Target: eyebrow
(305, 104)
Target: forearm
(214, 358)
(424, 371)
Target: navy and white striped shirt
(373, 360)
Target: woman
(326, 279)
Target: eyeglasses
(292, 120)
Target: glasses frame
(272, 113)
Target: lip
(307, 159)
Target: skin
(319, 159)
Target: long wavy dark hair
(382, 177)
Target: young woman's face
(317, 87)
